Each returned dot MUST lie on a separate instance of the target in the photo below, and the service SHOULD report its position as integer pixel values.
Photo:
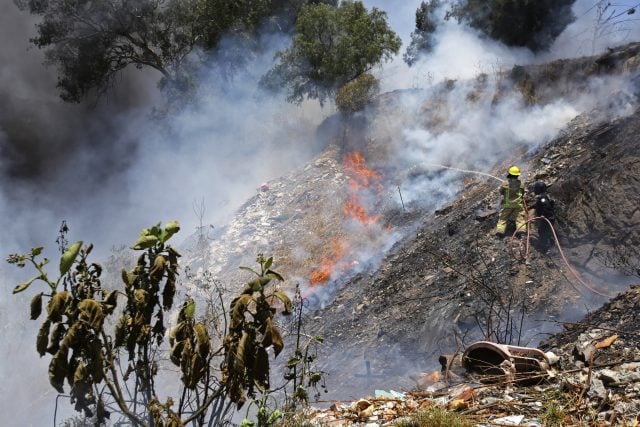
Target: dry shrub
(355, 95)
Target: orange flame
(360, 177)
(329, 264)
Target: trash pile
(587, 375)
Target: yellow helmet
(514, 170)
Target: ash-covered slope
(395, 251)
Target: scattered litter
(391, 394)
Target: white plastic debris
(511, 420)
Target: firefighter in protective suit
(544, 206)
(512, 204)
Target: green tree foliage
(534, 24)
(422, 38)
(332, 46)
(90, 41)
(117, 372)
(356, 94)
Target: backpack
(545, 206)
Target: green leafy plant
(333, 46)
(116, 373)
(301, 370)
(90, 42)
(522, 23)
(251, 332)
(422, 40)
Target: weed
(435, 417)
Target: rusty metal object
(501, 362)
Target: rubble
(605, 392)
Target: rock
(583, 352)
(597, 389)
(609, 377)
(552, 358)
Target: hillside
(389, 231)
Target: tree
(611, 19)
(534, 24)
(332, 46)
(356, 94)
(422, 38)
(90, 41)
(117, 372)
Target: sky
(109, 170)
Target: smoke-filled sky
(109, 169)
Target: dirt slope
(428, 276)
(431, 294)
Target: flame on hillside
(329, 264)
(360, 178)
(362, 181)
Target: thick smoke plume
(108, 168)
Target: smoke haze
(109, 169)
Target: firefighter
(544, 206)
(512, 204)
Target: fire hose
(573, 272)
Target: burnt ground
(451, 281)
(448, 280)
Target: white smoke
(110, 170)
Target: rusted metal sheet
(501, 362)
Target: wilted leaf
(190, 308)
(607, 342)
(21, 287)
(80, 374)
(157, 271)
(198, 370)
(169, 291)
(140, 295)
(69, 256)
(261, 369)
(176, 352)
(43, 338)
(72, 337)
(267, 338)
(288, 307)
(185, 363)
(121, 330)
(110, 302)
(57, 333)
(273, 275)
(91, 313)
(171, 228)
(36, 306)
(238, 363)
(145, 241)
(203, 344)
(58, 369)
(277, 342)
(97, 361)
(57, 305)
(238, 307)
(257, 284)
(128, 278)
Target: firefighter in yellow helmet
(512, 205)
